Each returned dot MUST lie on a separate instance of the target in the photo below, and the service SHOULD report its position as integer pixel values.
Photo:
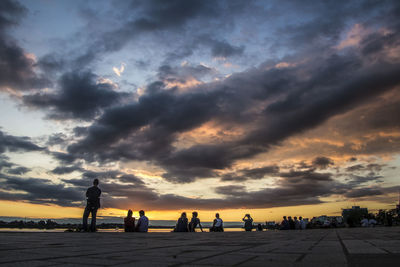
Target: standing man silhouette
(93, 203)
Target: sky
(264, 107)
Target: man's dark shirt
(93, 197)
(193, 223)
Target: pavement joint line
(299, 259)
(218, 254)
(82, 255)
(56, 263)
(33, 248)
(345, 251)
(372, 244)
(252, 258)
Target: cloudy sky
(267, 107)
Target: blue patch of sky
(19, 121)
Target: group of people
(141, 226)
(93, 204)
(293, 224)
(365, 222)
(182, 225)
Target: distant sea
(114, 220)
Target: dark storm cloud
(224, 49)
(174, 114)
(121, 190)
(64, 158)
(135, 192)
(292, 189)
(234, 197)
(363, 192)
(295, 176)
(16, 69)
(200, 161)
(66, 169)
(326, 21)
(130, 178)
(4, 163)
(79, 97)
(101, 175)
(251, 174)
(105, 177)
(56, 139)
(17, 143)
(300, 97)
(147, 17)
(230, 190)
(51, 63)
(39, 191)
(180, 74)
(218, 48)
(373, 167)
(10, 13)
(359, 180)
(322, 162)
(18, 170)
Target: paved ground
(330, 247)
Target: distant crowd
(293, 224)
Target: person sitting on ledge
(143, 223)
(285, 224)
(291, 223)
(248, 223)
(182, 224)
(296, 223)
(194, 222)
(129, 222)
(303, 223)
(364, 222)
(217, 224)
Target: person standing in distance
(93, 204)
(248, 223)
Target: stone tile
(86, 261)
(361, 247)
(27, 264)
(15, 256)
(196, 254)
(272, 248)
(225, 260)
(256, 263)
(331, 258)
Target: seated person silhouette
(129, 222)
(194, 222)
(143, 223)
(182, 224)
(217, 224)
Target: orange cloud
(209, 133)
(183, 85)
(353, 37)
